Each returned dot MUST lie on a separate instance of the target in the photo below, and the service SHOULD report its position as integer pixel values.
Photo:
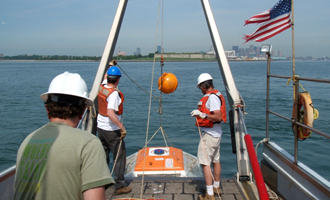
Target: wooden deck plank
(163, 196)
(155, 188)
(174, 189)
(194, 187)
(184, 197)
(229, 187)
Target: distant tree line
(134, 57)
(48, 57)
(65, 57)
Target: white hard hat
(69, 84)
(203, 77)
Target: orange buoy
(167, 83)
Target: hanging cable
(121, 69)
(160, 110)
(149, 110)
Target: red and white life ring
(306, 115)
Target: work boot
(216, 190)
(206, 197)
(123, 190)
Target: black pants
(111, 142)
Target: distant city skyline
(81, 28)
(251, 51)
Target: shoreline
(188, 60)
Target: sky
(81, 27)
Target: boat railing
(282, 167)
(7, 183)
(295, 122)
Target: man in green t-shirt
(59, 161)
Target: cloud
(3, 22)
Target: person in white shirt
(109, 127)
(209, 115)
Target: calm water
(22, 111)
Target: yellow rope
(293, 78)
(93, 110)
(315, 111)
(114, 164)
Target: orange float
(167, 83)
(160, 161)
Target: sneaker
(216, 190)
(123, 190)
(206, 197)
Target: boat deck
(174, 189)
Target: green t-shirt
(60, 162)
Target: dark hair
(206, 84)
(113, 62)
(65, 110)
(112, 79)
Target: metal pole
(295, 89)
(267, 98)
(109, 48)
(295, 126)
(293, 50)
(233, 95)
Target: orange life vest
(102, 96)
(202, 107)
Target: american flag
(274, 21)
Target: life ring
(306, 115)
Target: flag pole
(295, 93)
(293, 52)
(295, 90)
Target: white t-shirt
(105, 123)
(213, 103)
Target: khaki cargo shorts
(208, 150)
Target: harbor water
(22, 111)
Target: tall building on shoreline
(138, 51)
(252, 51)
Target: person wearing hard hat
(59, 161)
(109, 127)
(209, 115)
